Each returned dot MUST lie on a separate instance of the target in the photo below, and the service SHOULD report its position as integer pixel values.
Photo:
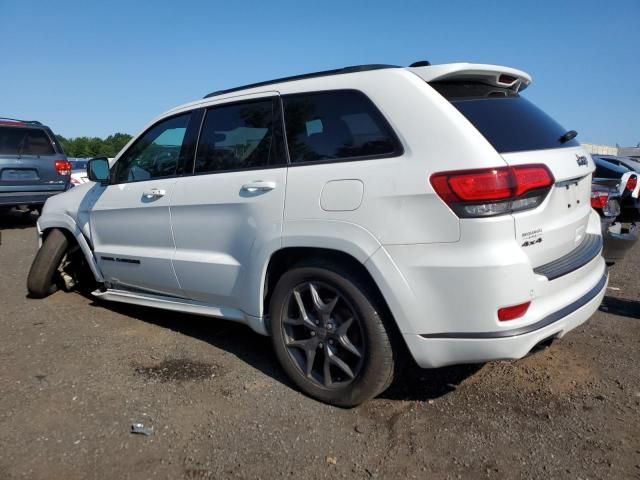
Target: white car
(352, 215)
(78, 177)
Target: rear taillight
(632, 183)
(599, 198)
(63, 167)
(513, 312)
(493, 191)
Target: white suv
(351, 215)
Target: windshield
(508, 121)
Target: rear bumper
(477, 347)
(618, 240)
(445, 297)
(26, 198)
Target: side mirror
(98, 170)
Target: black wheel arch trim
(546, 321)
(71, 229)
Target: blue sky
(95, 68)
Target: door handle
(154, 193)
(258, 186)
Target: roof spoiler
(494, 75)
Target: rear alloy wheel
(329, 337)
(323, 337)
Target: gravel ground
(75, 374)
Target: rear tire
(338, 325)
(42, 280)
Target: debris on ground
(141, 429)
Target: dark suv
(33, 165)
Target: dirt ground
(76, 374)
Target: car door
(130, 219)
(227, 216)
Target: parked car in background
(420, 216)
(625, 180)
(33, 165)
(78, 171)
(629, 162)
(618, 237)
(615, 197)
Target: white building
(600, 149)
(629, 152)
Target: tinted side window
(336, 125)
(155, 154)
(24, 141)
(240, 136)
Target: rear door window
(508, 121)
(336, 126)
(241, 136)
(25, 141)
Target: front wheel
(329, 336)
(42, 280)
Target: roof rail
(30, 122)
(325, 73)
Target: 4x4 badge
(581, 160)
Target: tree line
(87, 147)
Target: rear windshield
(24, 141)
(607, 169)
(624, 162)
(508, 121)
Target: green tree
(94, 147)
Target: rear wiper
(570, 135)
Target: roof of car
(496, 75)
(304, 76)
(14, 122)
(485, 73)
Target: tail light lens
(513, 312)
(493, 191)
(632, 183)
(63, 167)
(599, 198)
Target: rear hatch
(523, 134)
(27, 159)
